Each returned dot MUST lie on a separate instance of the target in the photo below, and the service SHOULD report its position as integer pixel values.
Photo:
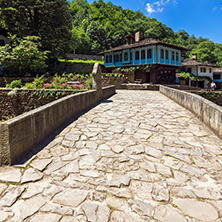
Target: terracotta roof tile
(192, 62)
(144, 42)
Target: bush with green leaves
(23, 54)
(15, 84)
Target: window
(121, 57)
(143, 55)
(131, 56)
(216, 76)
(210, 70)
(202, 69)
(166, 54)
(107, 59)
(162, 54)
(117, 58)
(173, 56)
(177, 57)
(126, 56)
(149, 53)
(189, 69)
(137, 55)
(110, 59)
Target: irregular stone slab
(115, 180)
(56, 208)
(199, 210)
(163, 170)
(69, 219)
(192, 170)
(72, 167)
(10, 195)
(141, 208)
(153, 152)
(54, 165)
(72, 137)
(71, 197)
(3, 187)
(31, 175)
(183, 192)
(90, 173)
(80, 144)
(51, 190)
(117, 149)
(59, 151)
(207, 193)
(167, 213)
(5, 215)
(46, 217)
(160, 192)
(117, 203)
(91, 144)
(32, 190)
(96, 212)
(141, 190)
(179, 176)
(40, 164)
(26, 208)
(118, 216)
(10, 174)
(148, 166)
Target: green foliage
(82, 61)
(134, 68)
(39, 82)
(49, 19)
(29, 85)
(14, 84)
(187, 75)
(23, 54)
(88, 83)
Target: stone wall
(207, 111)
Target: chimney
(139, 35)
(130, 39)
(194, 56)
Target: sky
(197, 17)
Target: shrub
(89, 83)
(29, 86)
(14, 84)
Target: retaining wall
(207, 111)
(22, 133)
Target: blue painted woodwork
(122, 58)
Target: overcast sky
(198, 17)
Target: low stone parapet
(209, 113)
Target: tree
(23, 54)
(49, 19)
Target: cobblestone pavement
(136, 157)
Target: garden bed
(215, 97)
(18, 101)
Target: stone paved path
(140, 157)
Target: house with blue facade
(161, 58)
(217, 75)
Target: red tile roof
(144, 42)
(192, 62)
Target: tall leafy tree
(49, 19)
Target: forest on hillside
(64, 26)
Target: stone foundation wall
(208, 112)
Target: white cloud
(215, 8)
(157, 6)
